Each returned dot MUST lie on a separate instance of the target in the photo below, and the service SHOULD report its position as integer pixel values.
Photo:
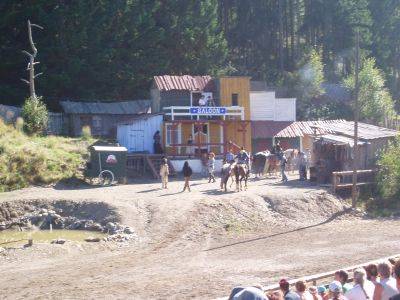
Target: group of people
(242, 158)
(374, 282)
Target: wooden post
(356, 116)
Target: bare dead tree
(31, 63)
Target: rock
(13, 214)
(92, 239)
(111, 227)
(129, 230)
(43, 211)
(3, 226)
(58, 241)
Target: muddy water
(12, 238)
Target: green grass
(34, 160)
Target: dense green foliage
(111, 49)
(389, 176)
(376, 104)
(26, 160)
(35, 115)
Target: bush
(35, 115)
(86, 132)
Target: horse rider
(229, 157)
(243, 158)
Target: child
(164, 172)
(211, 167)
(187, 172)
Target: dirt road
(198, 244)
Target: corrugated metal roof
(267, 129)
(184, 82)
(341, 140)
(341, 127)
(112, 108)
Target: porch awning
(340, 140)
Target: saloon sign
(215, 111)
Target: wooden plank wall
(235, 85)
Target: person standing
(211, 167)
(164, 172)
(396, 273)
(386, 287)
(187, 173)
(363, 289)
(303, 166)
(157, 143)
(283, 167)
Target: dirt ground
(198, 244)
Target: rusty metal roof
(112, 108)
(184, 82)
(340, 127)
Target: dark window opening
(235, 99)
(203, 129)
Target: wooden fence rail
(339, 179)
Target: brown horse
(241, 173)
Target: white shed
(137, 135)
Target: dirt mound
(306, 208)
(262, 212)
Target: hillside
(26, 160)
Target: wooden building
(102, 117)
(192, 128)
(270, 112)
(331, 144)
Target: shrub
(35, 115)
(389, 175)
(86, 132)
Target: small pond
(44, 236)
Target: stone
(92, 239)
(129, 230)
(58, 241)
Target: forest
(109, 50)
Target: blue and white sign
(208, 110)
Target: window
(172, 134)
(203, 128)
(235, 99)
(96, 122)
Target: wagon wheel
(106, 177)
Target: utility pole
(356, 117)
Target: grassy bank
(26, 160)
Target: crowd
(374, 282)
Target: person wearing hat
(323, 292)
(211, 167)
(336, 291)
(287, 293)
